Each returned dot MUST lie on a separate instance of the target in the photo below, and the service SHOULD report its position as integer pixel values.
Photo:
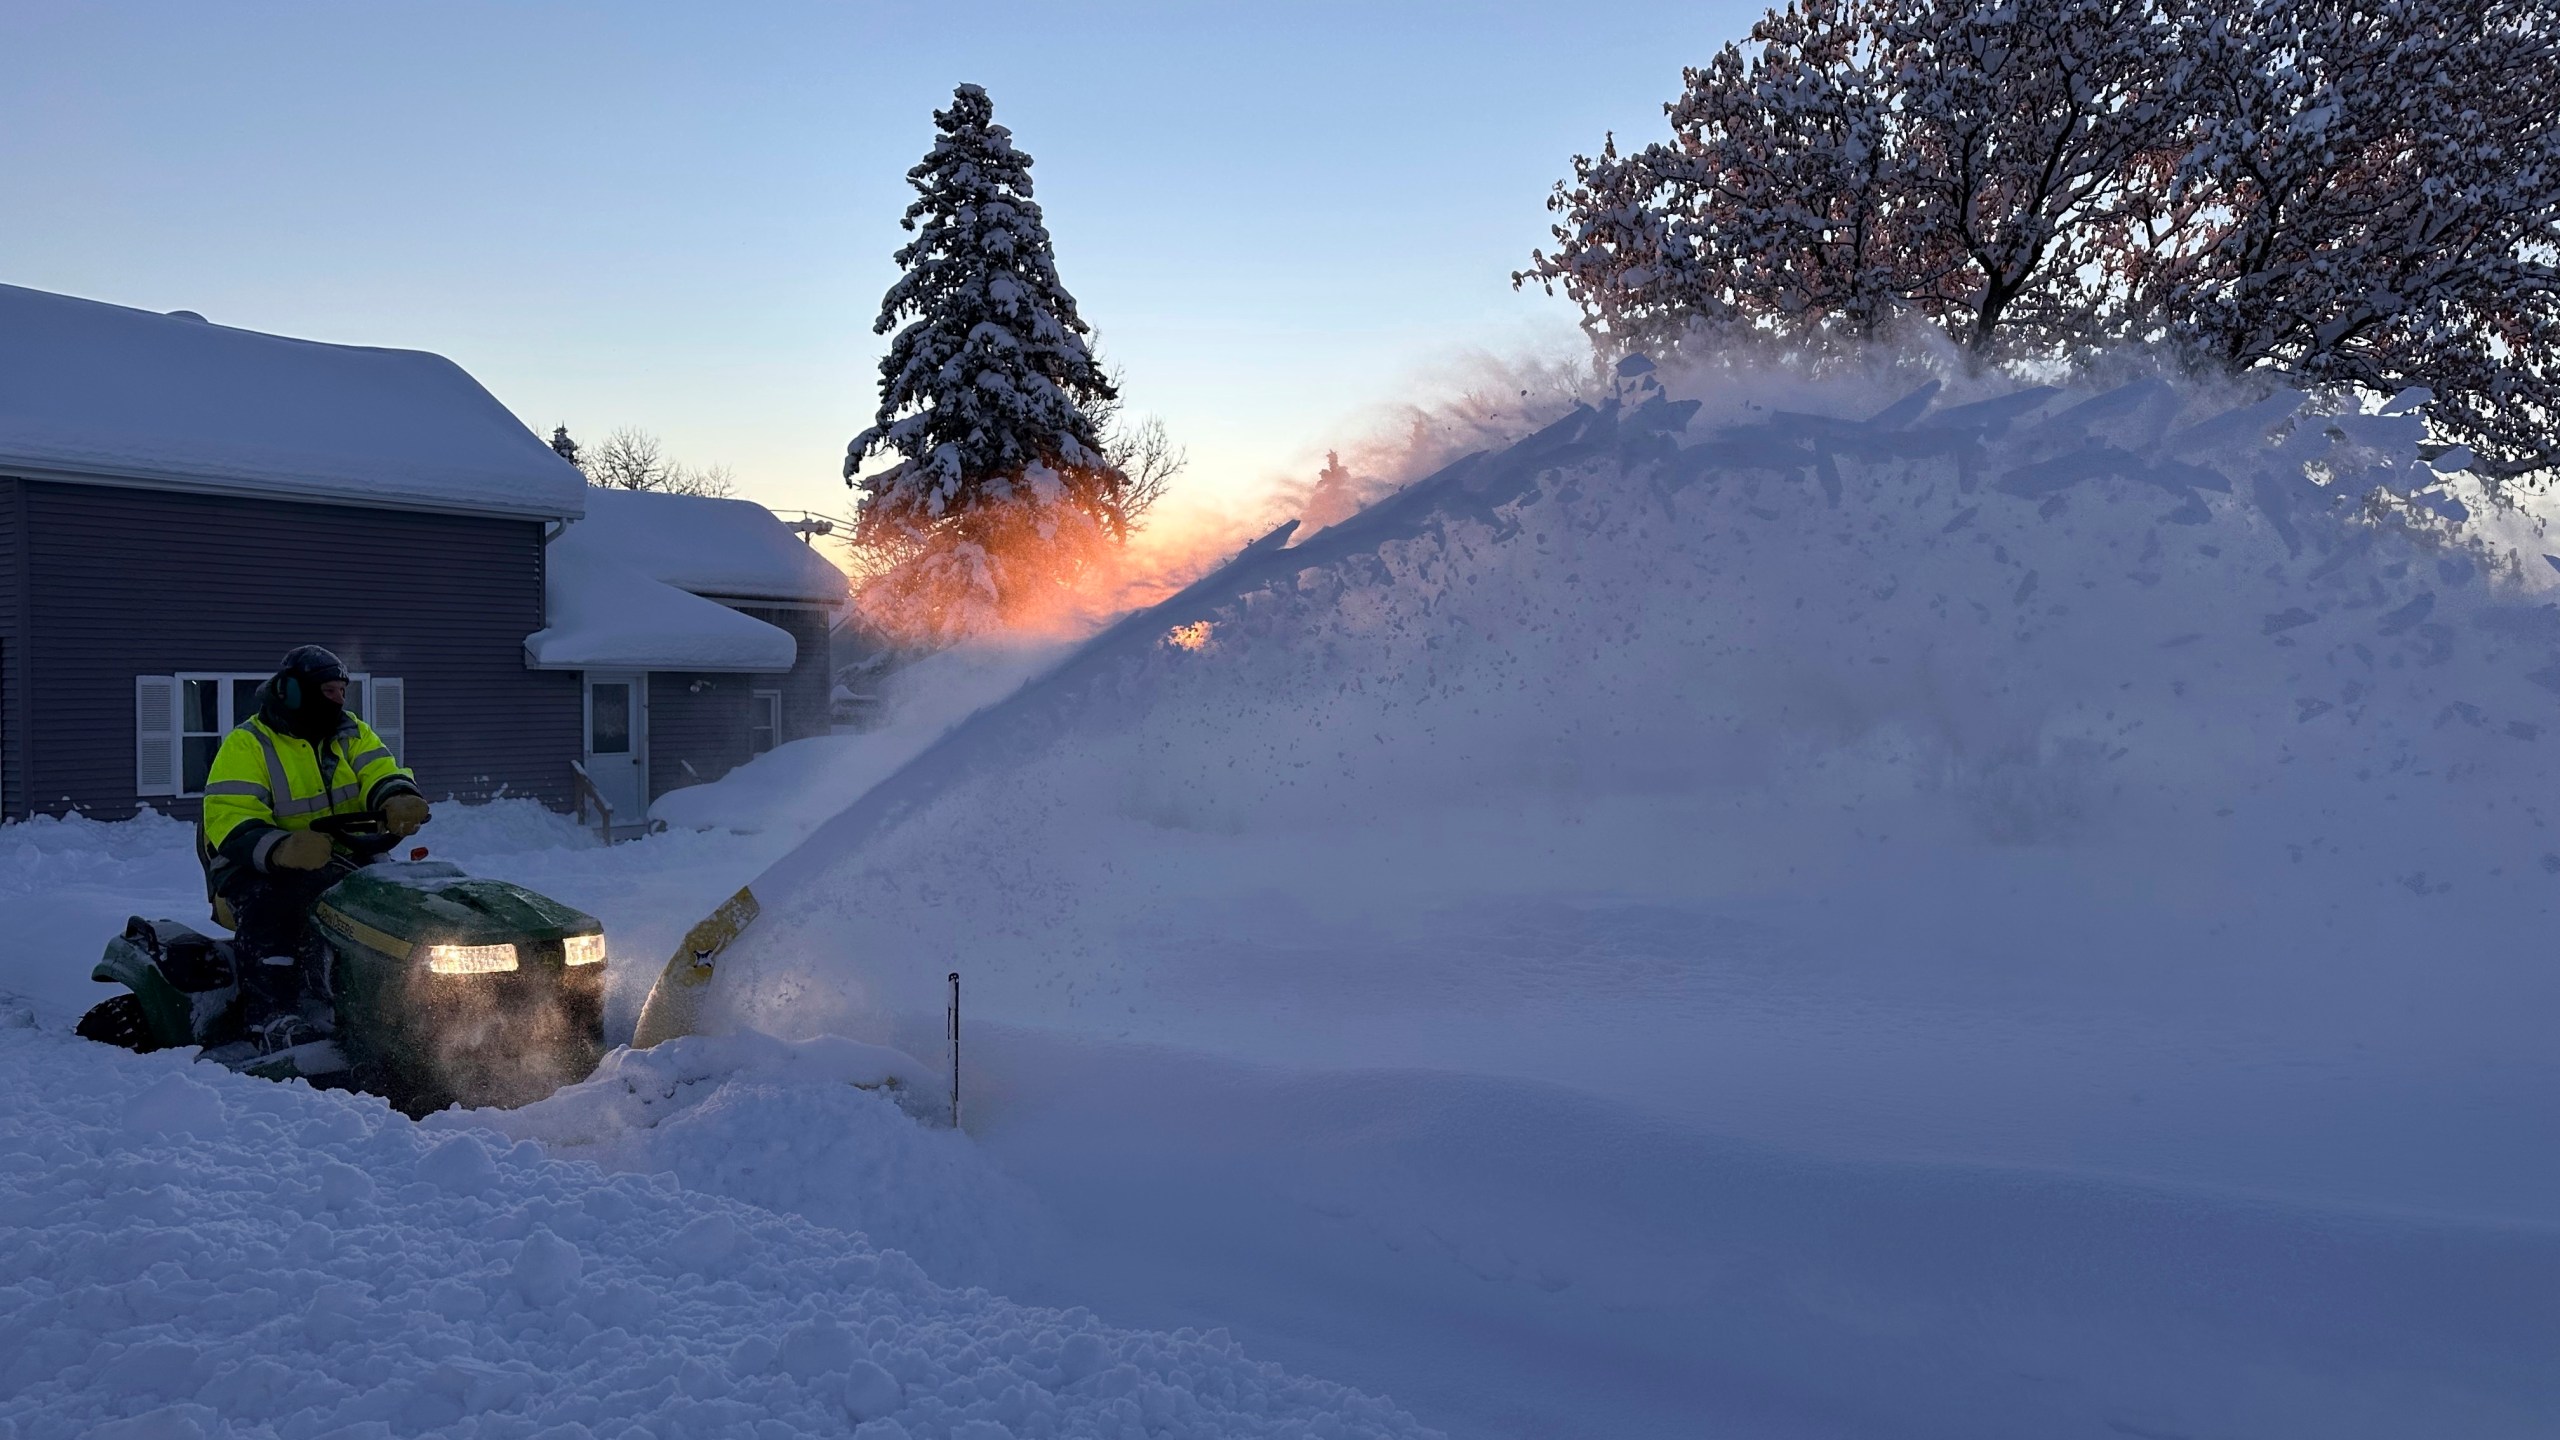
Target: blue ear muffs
(292, 692)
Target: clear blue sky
(679, 216)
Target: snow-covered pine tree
(563, 446)
(1000, 486)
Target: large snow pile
(191, 1258)
(2147, 785)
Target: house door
(618, 743)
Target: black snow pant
(280, 959)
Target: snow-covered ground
(1835, 915)
(189, 1255)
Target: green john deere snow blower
(436, 987)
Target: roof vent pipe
(188, 315)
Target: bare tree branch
(632, 459)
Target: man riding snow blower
(301, 761)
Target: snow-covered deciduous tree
(2357, 196)
(1623, 253)
(2377, 189)
(2021, 124)
(1000, 483)
(1855, 162)
(1792, 225)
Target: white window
(209, 704)
(384, 705)
(764, 721)
(179, 721)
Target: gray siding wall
(806, 688)
(123, 582)
(703, 720)
(13, 647)
(697, 720)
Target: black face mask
(316, 718)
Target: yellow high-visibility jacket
(266, 783)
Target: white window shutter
(387, 703)
(155, 735)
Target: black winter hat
(295, 692)
(311, 664)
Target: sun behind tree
(1001, 489)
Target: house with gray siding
(699, 630)
(181, 502)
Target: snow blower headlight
(582, 950)
(470, 959)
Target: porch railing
(588, 795)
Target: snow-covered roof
(605, 615)
(103, 393)
(734, 549)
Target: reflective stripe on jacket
(265, 782)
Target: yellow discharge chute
(674, 1006)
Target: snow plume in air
(1064, 589)
(1738, 633)
(1059, 592)
(1481, 402)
